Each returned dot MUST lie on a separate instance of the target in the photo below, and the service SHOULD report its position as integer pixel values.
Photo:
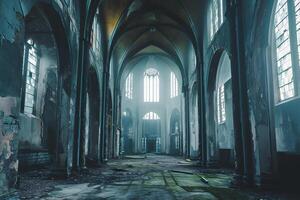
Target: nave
(147, 176)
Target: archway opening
(221, 127)
(45, 98)
(152, 84)
(151, 133)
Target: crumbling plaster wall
(11, 31)
(11, 52)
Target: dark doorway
(151, 132)
(151, 145)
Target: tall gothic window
(31, 70)
(297, 14)
(129, 86)
(286, 25)
(221, 104)
(151, 85)
(173, 85)
(151, 116)
(215, 17)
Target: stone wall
(9, 128)
(12, 35)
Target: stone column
(187, 120)
(201, 115)
(243, 135)
(79, 136)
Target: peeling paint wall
(11, 30)
(12, 36)
(9, 127)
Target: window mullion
(294, 45)
(25, 69)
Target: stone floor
(140, 177)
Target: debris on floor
(157, 177)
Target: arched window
(223, 84)
(31, 69)
(221, 105)
(286, 26)
(215, 17)
(151, 85)
(173, 85)
(151, 116)
(129, 86)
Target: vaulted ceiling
(152, 27)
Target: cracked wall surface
(11, 31)
(9, 127)
(12, 36)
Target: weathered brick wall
(29, 160)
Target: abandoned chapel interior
(150, 99)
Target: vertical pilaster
(104, 114)
(83, 90)
(80, 118)
(243, 136)
(187, 121)
(201, 113)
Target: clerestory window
(95, 33)
(215, 17)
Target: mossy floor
(140, 177)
